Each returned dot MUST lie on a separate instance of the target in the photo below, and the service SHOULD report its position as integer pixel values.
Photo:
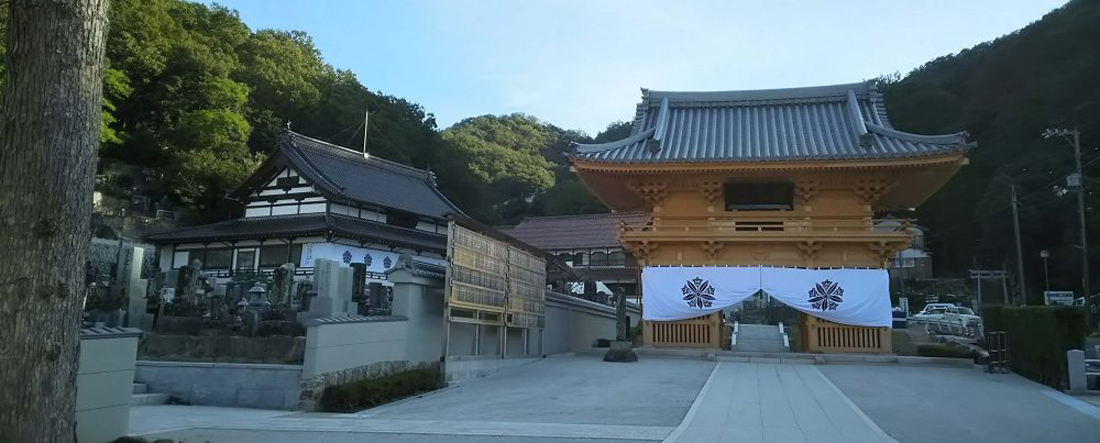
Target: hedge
(363, 394)
(1038, 338)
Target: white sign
(903, 303)
(858, 297)
(1058, 298)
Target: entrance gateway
(812, 180)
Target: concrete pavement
(566, 399)
(747, 402)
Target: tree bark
(49, 133)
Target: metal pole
(1046, 274)
(1081, 221)
(1004, 282)
(1019, 250)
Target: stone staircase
(759, 338)
(142, 396)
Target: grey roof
(97, 332)
(300, 225)
(562, 232)
(343, 173)
(818, 123)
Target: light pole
(1046, 271)
(1077, 181)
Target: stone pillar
(419, 299)
(136, 288)
(1078, 381)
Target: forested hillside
(1006, 93)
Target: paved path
(933, 405)
(747, 402)
(656, 399)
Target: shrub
(1038, 338)
(945, 350)
(363, 394)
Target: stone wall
(346, 349)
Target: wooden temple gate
(786, 177)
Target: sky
(580, 64)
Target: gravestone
(333, 284)
(283, 283)
(134, 286)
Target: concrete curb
(791, 357)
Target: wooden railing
(699, 332)
(758, 223)
(828, 337)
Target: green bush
(945, 350)
(1038, 338)
(363, 394)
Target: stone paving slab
(751, 402)
(928, 404)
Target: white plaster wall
(573, 323)
(104, 383)
(338, 346)
(461, 339)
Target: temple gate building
(784, 177)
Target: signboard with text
(1058, 298)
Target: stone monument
(621, 350)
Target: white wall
(573, 323)
(104, 384)
(344, 343)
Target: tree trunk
(49, 132)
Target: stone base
(622, 352)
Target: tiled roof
(819, 123)
(92, 332)
(281, 226)
(345, 173)
(575, 231)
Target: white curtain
(678, 293)
(859, 297)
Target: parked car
(930, 310)
(952, 320)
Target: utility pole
(1019, 250)
(1077, 181)
(1081, 220)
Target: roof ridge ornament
(866, 140)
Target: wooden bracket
(652, 192)
(809, 250)
(870, 190)
(712, 248)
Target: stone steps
(151, 398)
(142, 397)
(759, 338)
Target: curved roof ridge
(366, 159)
(939, 139)
(839, 90)
(309, 163)
(600, 147)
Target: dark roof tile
(575, 231)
